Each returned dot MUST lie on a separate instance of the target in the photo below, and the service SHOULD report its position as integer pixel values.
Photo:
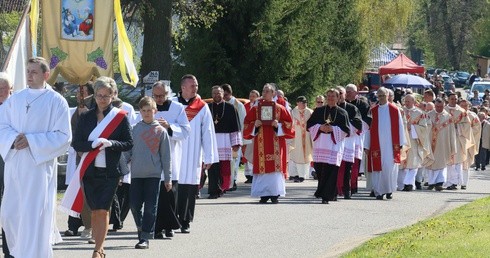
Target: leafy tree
(303, 46)
(8, 25)
(158, 18)
(448, 30)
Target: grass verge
(463, 232)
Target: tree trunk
(451, 48)
(157, 18)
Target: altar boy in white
(34, 130)
(200, 149)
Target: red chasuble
(268, 147)
(374, 154)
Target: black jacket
(121, 141)
(354, 115)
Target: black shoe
(185, 230)
(324, 202)
(463, 187)
(347, 195)
(142, 244)
(264, 199)
(249, 180)
(169, 233)
(372, 194)
(213, 196)
(291, 178)
(408, 188)
(233, 188)
(418, 185)
(379, 197)
(431, 187)
(389, 196)
(405, 188)
(452, 187)
(476, 169)
(159, 235)
(275, 199)
(301, 179)
(483, 168)
(426, 184)
(70, 233)
(439, 188)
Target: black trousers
(327, 181)
(215, 180)
(347, 178)
(481, 158)
(120, 206)
(186, 203)
(74, 223)
(166, 212)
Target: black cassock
(327, 173)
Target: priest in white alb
(384, 142)
(443, 144)
(462, 127)
(200, 149)
(419, 149)
(170, 115)
(475, 141)
(34, 131)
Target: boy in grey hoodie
(150, 157)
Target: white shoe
(86, 233)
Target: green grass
(463, 232)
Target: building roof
(7, 6)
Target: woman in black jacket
(102, 134)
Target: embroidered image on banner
(77, 20)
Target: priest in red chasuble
(269, 125)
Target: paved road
(299, 226)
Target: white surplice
(29, 199)
(181, 128)
(384, 181)
(199, 147)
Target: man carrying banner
(34, 130)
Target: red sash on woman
(72, 202)
(374, 154)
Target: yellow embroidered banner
(77, 38)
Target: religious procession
(147, 168)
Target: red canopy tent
(401, 64)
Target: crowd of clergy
(400, 146)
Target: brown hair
(147, 101)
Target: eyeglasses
(103, 96)
(319, 102)
(155, 96)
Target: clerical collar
(186, 101)
(165, 106)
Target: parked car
(460, 78)
(448, 83)
(480, 86)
